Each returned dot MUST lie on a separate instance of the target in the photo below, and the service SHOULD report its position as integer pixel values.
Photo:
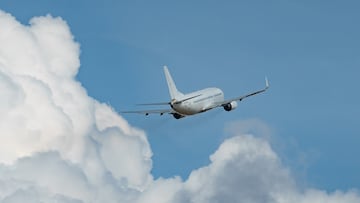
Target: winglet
(267, 83)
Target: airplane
(183, 105)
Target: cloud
(243, 168)
(246, 169)
(57, 144)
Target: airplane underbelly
(187, 109)
(191, 109)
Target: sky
(308, 119)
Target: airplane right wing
(247, 95)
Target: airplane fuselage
(201, 101)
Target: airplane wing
(155, 111)
(247, 95)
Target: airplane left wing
(155, 111)
(247, 95)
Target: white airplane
(195, 102)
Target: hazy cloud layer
(57, 144)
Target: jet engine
(178, 116)
(230, 106)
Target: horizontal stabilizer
(154, 111)
(154, 104)
(178, 102)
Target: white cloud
(56, 141)
(246, 169)
(243, 168)
(60, 145)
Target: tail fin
(174, 93)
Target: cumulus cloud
(57, 144)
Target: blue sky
(309, 51)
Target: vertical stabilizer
(174, 93)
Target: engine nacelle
(178, 116)
(230, 106)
